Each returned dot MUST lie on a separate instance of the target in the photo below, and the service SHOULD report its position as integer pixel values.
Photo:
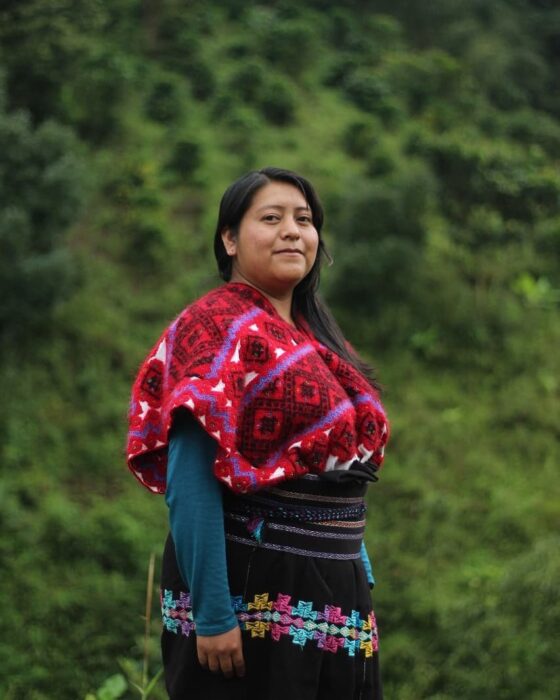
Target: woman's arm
(197, 527)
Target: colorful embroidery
(329, 628)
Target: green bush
(185, 159)
(163, 103)
(247, 81)
(40, 166)
(277, 101)
(503, 641)
(291, 46)
(361, 137)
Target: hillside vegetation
(432, 132)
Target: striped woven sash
(307, 516)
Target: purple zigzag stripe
(230, 337)
(364, 398)
(280, 367)
(191, 388)
(145, 430)
(225, 416)
(238, 471)
(335, 413)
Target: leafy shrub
(338, 67)
(147, 244)
(163, 103)
(380, 162)
(202, 79)
(185, 159)
(247, 81)
(91, 100)
(381, 233)
(40, 166)
(360, 137)
(62, 66)
(291, 46)
(373, 93)
(503, 642)
(423, 78)
(277, 101)
(474, 171)
(533, 128)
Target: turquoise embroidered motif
(329, 628)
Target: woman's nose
(291, 229)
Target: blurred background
(432, 133)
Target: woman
(262, 427)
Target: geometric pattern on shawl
(278, 403)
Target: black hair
(306, 301)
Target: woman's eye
(270, 217)
(305, 219)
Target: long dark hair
(306, 301)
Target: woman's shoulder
(200, 323)
(219, 316)
(213, 309)
(205, 303)
(219, 308)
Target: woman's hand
(222, 652)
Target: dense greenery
(432, 131)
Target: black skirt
(301, 596)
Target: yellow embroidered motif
(258, 628)
(367, 647)
(260, 602)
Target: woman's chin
(287, 282)
(291, 274)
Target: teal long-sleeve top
(196, 519)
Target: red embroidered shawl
(278, 403)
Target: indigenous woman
(263, 428)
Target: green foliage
(185, 159)
(360, 137)
(112, 689)
(517, 621)
(164, 103)
(380, 231)
(372, 93)
(290, 45)
(60, 65)
(39, 166)
(255, 84)
(247, 81)
(277, 101)
(432, 131)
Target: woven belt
(306, 516)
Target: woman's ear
(230, 242)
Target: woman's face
(277, 242)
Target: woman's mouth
(288, 251)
